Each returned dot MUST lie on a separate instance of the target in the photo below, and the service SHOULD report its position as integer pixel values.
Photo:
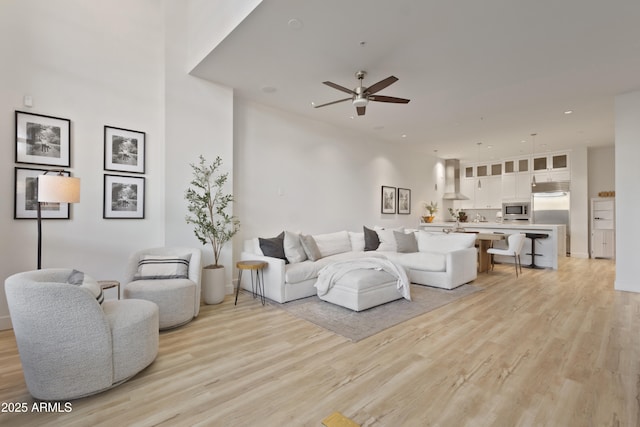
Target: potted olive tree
(207, 205)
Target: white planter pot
(213, 287)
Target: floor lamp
(55, 189)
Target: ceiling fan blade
(377, 87)
(341, 88)
(360, 110)
(393, 99)
(333, 102)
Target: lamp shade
(58, 189)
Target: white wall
(601, 170)
(67, 56)
(579, 204)
(297, 174)
(199, 120)
(627, 153)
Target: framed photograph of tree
(404, 201)
(124, 150)
(123, 197)
(388, 200)
(26, 197)
(42, 140)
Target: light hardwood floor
(548, 349)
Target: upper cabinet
(551, 167)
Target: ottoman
(362, 289)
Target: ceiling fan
(360, 96)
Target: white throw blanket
(331, 273)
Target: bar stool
(533, 237)
(258, 288)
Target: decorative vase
(430, 218)
(213, 287)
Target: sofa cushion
(87, 283)
(333, 243)
(371, 239)
(357, 241)
(273, 246)
(422, 261)
(387, 239)
(160, 267)
(405, 242)
(310, 247)
(443, 243)
(293, 249)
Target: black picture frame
(124, 150)
(25, 201)
(388, 200)
(42, 140)
(404, 201)
(123, 197)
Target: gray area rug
(359, 325)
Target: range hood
(452, 180)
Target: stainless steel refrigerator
(550, 204)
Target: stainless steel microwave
(516, 211)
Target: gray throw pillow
(310, 247)
(406, 242)
(273, 247)
(371, 239)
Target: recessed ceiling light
(351, 117)
(295, 24)
(404, 135)
(489, 146)
(569, 112)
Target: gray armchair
(177, 298)
(70, 345)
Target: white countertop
(519, 225)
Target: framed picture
(388, 200)
(404, 201)
(42, 140)
(123, 150)
(123, 197)
(26, 197)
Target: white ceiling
(490, 71)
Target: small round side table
(258, 288)
(108, 284)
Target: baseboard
(5, 323)
(229, 289)
(626, 287)
(579, 255)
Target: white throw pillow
(357, 241)
(333, 243)
(387, 239)
(161, 267)
(293, 249)
(443, 243)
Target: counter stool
(533, 237)
(258, 288)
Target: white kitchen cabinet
(489, 194)
(551, 167)
(603, 227)
(516, 186)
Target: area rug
(359, 325)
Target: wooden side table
(108, 284)
(258, 288)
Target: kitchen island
(548, 250)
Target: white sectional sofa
(436, 259)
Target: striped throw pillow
(88, 283)
(156, 267)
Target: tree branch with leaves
(208, 204)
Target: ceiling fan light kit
(361, 95)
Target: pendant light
(533, 154)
